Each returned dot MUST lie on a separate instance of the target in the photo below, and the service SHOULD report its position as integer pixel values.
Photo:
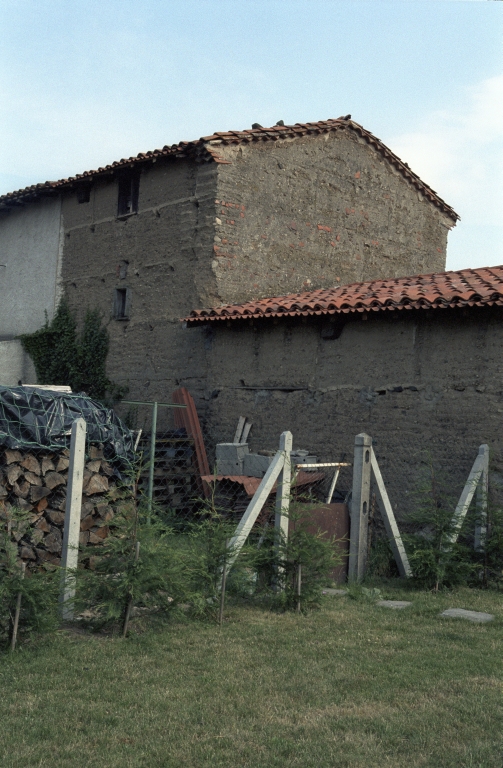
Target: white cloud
(459, 152)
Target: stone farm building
(417, 363)
(242, 216)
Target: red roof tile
(205, 150)
(466, 288)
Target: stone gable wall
(315, 212)
(282, 217)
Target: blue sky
(90, 82)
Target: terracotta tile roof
(206, 149)
(466, 288)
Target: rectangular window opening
(84, 194)
(129, 188)
(122, 302)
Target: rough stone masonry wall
(417, 382)
(315, 212)
(162, 254)
(282, 217)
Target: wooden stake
(239, 429)
(152, 462)
(299, 580)
(222, 589)
(333, 484)
(130, 600)
(18, 611)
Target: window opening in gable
(129, 188)
(122, 303)
(84, 193)
(122, 269)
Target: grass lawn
(352, 685)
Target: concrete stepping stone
(330, 591)
(460, 613)
(394, 603)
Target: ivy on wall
(62, 355)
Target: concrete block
(303, 458)
(255, 465)
(397, 604)
(225, 467)
(230, 458)
(231, 451)
(461, 613)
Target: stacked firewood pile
(35, 484)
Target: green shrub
(156, 580)
(381, 561)
(39, 589)
(313, 551)
(434, 560)
(63, 356)
(487, 562)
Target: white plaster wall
(30, 263)
(15, 364)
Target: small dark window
(122, 303)
(84, 193)
(122, 269)
(129, 188)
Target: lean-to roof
(465, 288)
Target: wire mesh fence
(229, 495)
(149, 453)
(180, 484)
(168, 472)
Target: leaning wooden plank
(467, 495)
(482, 493)
(246, 431)
(333, 484)
(253, 509)
(239, 429)
(188, 419)
(326, 464)
(389, 521)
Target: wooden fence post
(284, 484)
(70, 553)
(360, 507)
(283, 501)
(153, 435)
